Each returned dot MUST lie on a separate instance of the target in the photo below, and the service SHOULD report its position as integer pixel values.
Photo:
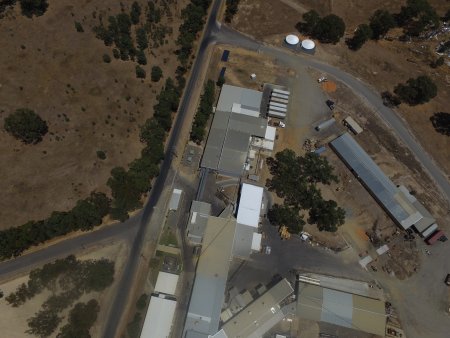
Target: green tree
(25, 125)
(142, 302)
(416, 91)
(140, 72)
(141, 58)
(33, 7)
(286, 216)
(43, 323)
(135, 13)
(416, 17)
(141, 38)
(311, 19)
(81, 319)
(203, 112)
(157, 73)
(441, 123)
(362, 34)
(329, 29)
(381, 22)
(316, 168)
(231, 9)
(327, 215)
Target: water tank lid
(308, 44)
(292, 39)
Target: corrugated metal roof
(381, 187)
(253, 320)
(344, 309)
(211, 276)
(229, 137)
(243, 237)
(166, 283)
(197, 221)
(159, 317)
(175, 199)
(249, 207)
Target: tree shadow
(441, 123)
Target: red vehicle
(436, 236)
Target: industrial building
(161, 309)
(318, 303)
(222, 239)
(260, 315)
(208, 293)
(236, 122)
(159, 317)
(198, 217)
(402, 207)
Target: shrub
(141, 58)
(362, 34)
(380, 23)
(140, 72)
(106, 58)
(25, 125)
(101, 154)
(231, 9)
(78, 27)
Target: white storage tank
(292, 39)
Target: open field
(89, 105)
(14, 320)
(382, 64)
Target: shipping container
(437, 236)
(284, 110)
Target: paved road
(228, 36)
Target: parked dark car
(330, 104)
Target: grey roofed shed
(339, 308)
(208, 292)
(378, 184)
(251, 322)
(232, 94)
(198, 219)
(175, 199)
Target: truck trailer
(277, 99)
(271, 107)
(276, 104)
(280, 91)
(281, 96)
(276, 114)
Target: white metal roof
(292, 39)
(308, 44)
(250, 205)
(256, 241)
(159, 317)
(175, 199)
(166, 283)
(270, 133)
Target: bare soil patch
(90, 105)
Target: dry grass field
(382, 64)
(89, 105)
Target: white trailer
(276, 104)
(280, 91)
(277, 99)
(353, 125)
(325, 124)
(284, 110)
(276, 114)
(281, 96)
